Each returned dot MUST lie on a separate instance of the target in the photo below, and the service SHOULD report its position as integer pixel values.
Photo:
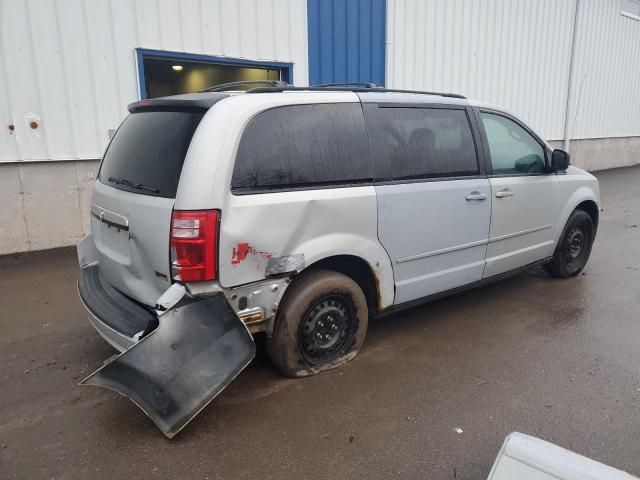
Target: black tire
(574, 246)
(321, 324)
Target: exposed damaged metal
(285, 264)
(257, 303)
(170, 297)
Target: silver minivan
(301, 213)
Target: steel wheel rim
(574, 244)
(325, 329)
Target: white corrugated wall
(70, 65)
(607, 73)
(516, 53)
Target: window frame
(299, 187)
(487, 150)
(385, 169)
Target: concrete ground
(558, 359)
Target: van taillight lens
(194, 245)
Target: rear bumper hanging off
(199, 346)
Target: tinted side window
(411, 143)
(303, 145)
(147, 152)
(513, 149)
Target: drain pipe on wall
(566, 145)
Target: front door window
(513, 150)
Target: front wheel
(574, 247)
(321, 324)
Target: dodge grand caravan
(302, 212)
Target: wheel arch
(359, 271)
(591, 208)
(583, 198)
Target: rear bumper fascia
(114, 338)
(118, 319)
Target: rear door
(524, 196)
(433, 196)
(133, 200)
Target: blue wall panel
(346, 41)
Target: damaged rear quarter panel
(259, 228)
(314, 223)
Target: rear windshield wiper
(128, 183)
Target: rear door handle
(475, 196)
(507, 192)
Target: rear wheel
(321, 324)
(574, 247)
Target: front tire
(574, 247)
(320, 325)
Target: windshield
(147, 152)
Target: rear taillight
(194, 245)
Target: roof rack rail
(349, 84)
(316, 88)
(230, 85)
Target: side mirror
(559, 160)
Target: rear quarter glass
(147, 152)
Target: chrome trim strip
(443, 250)
(517, 234)
(110, 218)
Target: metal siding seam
(219, 28)
(331, 36)
(353, 15)
(202, 25)
(115, 53)
(340, 46)
(365, 44)
(159, 24)
(423, 45)
(369, 49)
(389, 43)
(382, 21)
(92, 74)
(326, 58)
(312, 41)
(8, 97)
(135, 22)
(530, 85)
(181, 27)
(67, 96)
(37, 78)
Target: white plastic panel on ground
(70, 66)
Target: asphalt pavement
(432, 395)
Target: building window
(630, 8)
(164, 73)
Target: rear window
(147, 152)
(414, 143)
(303, 146)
